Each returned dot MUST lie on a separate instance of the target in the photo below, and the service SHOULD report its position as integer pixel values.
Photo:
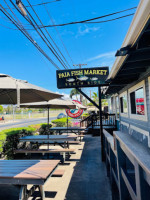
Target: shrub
(61, 122)
(86, 114)
(45, 129)
(9, 139)
(35, 126)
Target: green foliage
(74, 92)
(104, 102)
(45, 129)
(61, 122)
(36, 126)
(85, 114)
(90, 104)
(1, 109)
(9, 109)
(95, 97)
(9, 139)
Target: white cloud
(65, 96)
(86, 30)
(107, 55)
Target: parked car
(61, 115)
(2, 118)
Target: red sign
(140, 106)
(74, 113)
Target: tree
(95, 97)
(9, 109)
(104, 102)
(1, 109)
(74, 92)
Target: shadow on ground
(89, 180)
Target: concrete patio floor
(85, 175)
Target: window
(137, 102)
(123, 104)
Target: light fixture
(123, 51)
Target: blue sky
(94, 44)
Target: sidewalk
(85, 175)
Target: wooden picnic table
(20, 173)
(61, 130)
(47, 139)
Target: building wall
(138, 127)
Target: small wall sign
(74, 113)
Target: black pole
(101, 125)
(48, 126)
(48, 117)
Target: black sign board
(86, 77)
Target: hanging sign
(74, 113)
(86, 77)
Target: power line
(91, 19)
(124, 16)
(36, 27)
(53, 51)
(57, 32)
(88, 20)
(29, 38)
(109, 20)
(39, 4)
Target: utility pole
(80, 66)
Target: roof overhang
(133, 57)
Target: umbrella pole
(48, 127)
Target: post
(13, 113)
(48, 126)
(48, 117)
(101, 125)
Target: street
(24, 123)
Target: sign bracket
(95, 104)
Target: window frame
(117, 96)
(133, 89)
(123, 114)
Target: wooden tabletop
(26, 169)
(65, 128)
(48, 138)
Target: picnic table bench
(58, 173)
(61, 130)
(62, 140)
(62, 152)
(21, 173)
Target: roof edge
(140, 18)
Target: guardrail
(93, 120)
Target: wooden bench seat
(74, 142)
(58, 173)
(62, 152)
